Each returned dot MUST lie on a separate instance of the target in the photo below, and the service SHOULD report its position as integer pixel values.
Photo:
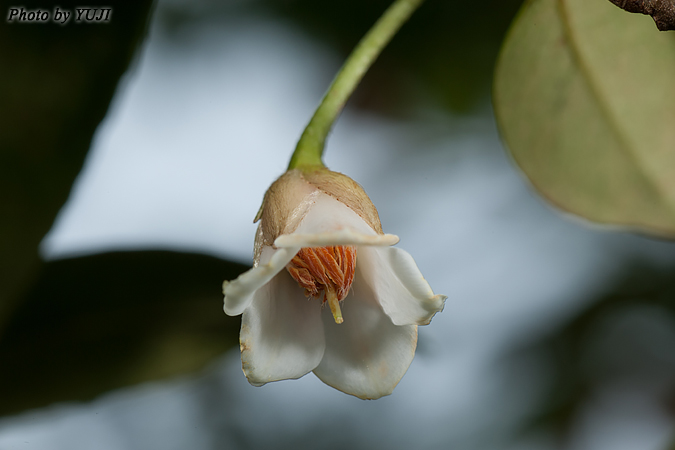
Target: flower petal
(341, 237)
(398, 285)
(331, 222)
(366, 355)
(328, 214)
(281, 333)
(239, 292)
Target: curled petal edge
(341, 237)
(408, 273)
(239, 293)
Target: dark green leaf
(55, 86)
(101, 322)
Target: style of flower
(320, 242)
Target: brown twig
(662, 11)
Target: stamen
(325, 269)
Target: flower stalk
(310, 147)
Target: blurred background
(134, 156)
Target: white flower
(320, 242)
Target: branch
(662, 11)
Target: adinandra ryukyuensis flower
(327, 293)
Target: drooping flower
(327, 292)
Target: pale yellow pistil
(334, 304)
(327, 270)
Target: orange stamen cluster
(325, 269)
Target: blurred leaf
(623, 337)
(585, 98)
(100, 322)
(55, 86)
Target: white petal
(398, 285)
(281, 333)
(345, 236)
(239, 292)
(328, 214)
(366, 355)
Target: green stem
(311, 144)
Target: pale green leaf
(585, 100)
